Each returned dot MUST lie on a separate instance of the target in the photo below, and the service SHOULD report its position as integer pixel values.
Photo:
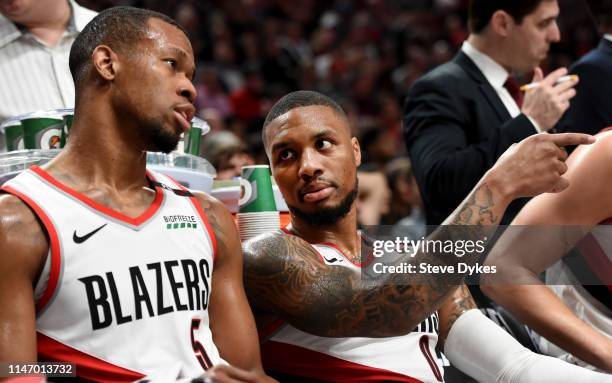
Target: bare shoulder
(21, 236)
(217, 214)
(279, 246)
(585, 201)
(596, 155)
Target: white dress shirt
(496, 75)
(34, 76)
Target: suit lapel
(484, 86)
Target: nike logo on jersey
(80, 239)
(332, 260)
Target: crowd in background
(366, 54)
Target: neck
(491, 47)
(49, 24)
(103, 150)
(343, 233)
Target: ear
(501, 23)
(356, 151)
(105, 62)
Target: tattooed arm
(456, 305)
(284, 276)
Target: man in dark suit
(591, 109)
(460, 117)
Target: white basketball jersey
(122, 297)
(407, 358)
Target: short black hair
(119, 28)
(298, 99)
(480, 11)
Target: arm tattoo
(458, 303)
(284, 276)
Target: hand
(535, 165)
(228, 374)
(547, 103)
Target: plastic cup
(257, 212)
(42, 132)
(257, 190)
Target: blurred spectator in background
(463, 115)
(211, 93)
(377, 147)
(591, 109)
(407, 214)
(227, 153)
(246, 100)
(35, 41)
(373, 196)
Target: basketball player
(575, 312)
(108, 265)
(321, 321)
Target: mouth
(316, 192)
(184, 115)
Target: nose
(555, 33)
(187, 90)
(310, 165)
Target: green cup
(257, 190)
(13, 134)
(192, 141)
(42, 132)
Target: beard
(328, 215)
(159, 139)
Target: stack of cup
(257, 212)
(42, 130)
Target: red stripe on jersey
(86, 366)
(270, 329)
(424, 345)
(293, 360)
(211, 233)
(56, 259)
(596, 258)
(198, 207)
(137, 221)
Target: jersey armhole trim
(54, 274)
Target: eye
(285, 155)
(172, 63)
(323, 144)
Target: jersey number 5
(198, 349)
